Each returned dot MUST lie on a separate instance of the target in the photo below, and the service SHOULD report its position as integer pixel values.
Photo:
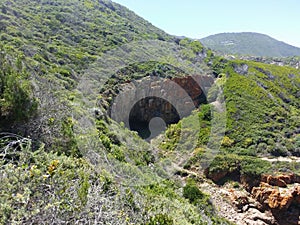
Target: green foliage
(205, 113)
(77, 31)
(262, 108)
(228, 163)
(195, 159)
(244, 165)
(254, 167)
(160, 219)
(83, 188)
(56, 41)
(43, 180)
(227, 142)
(218, 65)
(194, 45)
(188, 207)
(68, 143)
(16, 101)
(110, 141)
(192, 192)
(172, 137)
(205, 124)
(164, 188)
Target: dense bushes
(16, 100)
(42, 186)
(243, 165)
(37, 184)
(192, 192)
(160, 219)
(260, 120)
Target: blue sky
(279, 19)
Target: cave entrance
(151, 115)
(149, 105)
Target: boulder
(280, 180)
(276, 198)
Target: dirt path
(225, 209)
(282, 159)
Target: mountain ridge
(249, 43)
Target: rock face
(281, 194)
(241, 69)
(277, 196)
(216, 177)
(281, 180)
(170, 99)
(238, 206)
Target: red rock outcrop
(281, 180)
(274, 191)
(280, 194)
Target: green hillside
(55, 41)
(247, 43)
(64, 160)
(262, 117)
(50, 171)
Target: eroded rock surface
(280, 194)
(238, 206)
(170, 99)
(272, 199)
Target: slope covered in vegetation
(262, 107)
(65, 161)
(50, 173)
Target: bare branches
(11, 145)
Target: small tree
(16, 102)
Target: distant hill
(248, 43)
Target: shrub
(227, 142)
(160, 219)
(68, 142)
(192, 192)
(16, 101)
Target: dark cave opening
(143, 116)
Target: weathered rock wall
(169, 99)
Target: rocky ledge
(280, 194)
(271, 199)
